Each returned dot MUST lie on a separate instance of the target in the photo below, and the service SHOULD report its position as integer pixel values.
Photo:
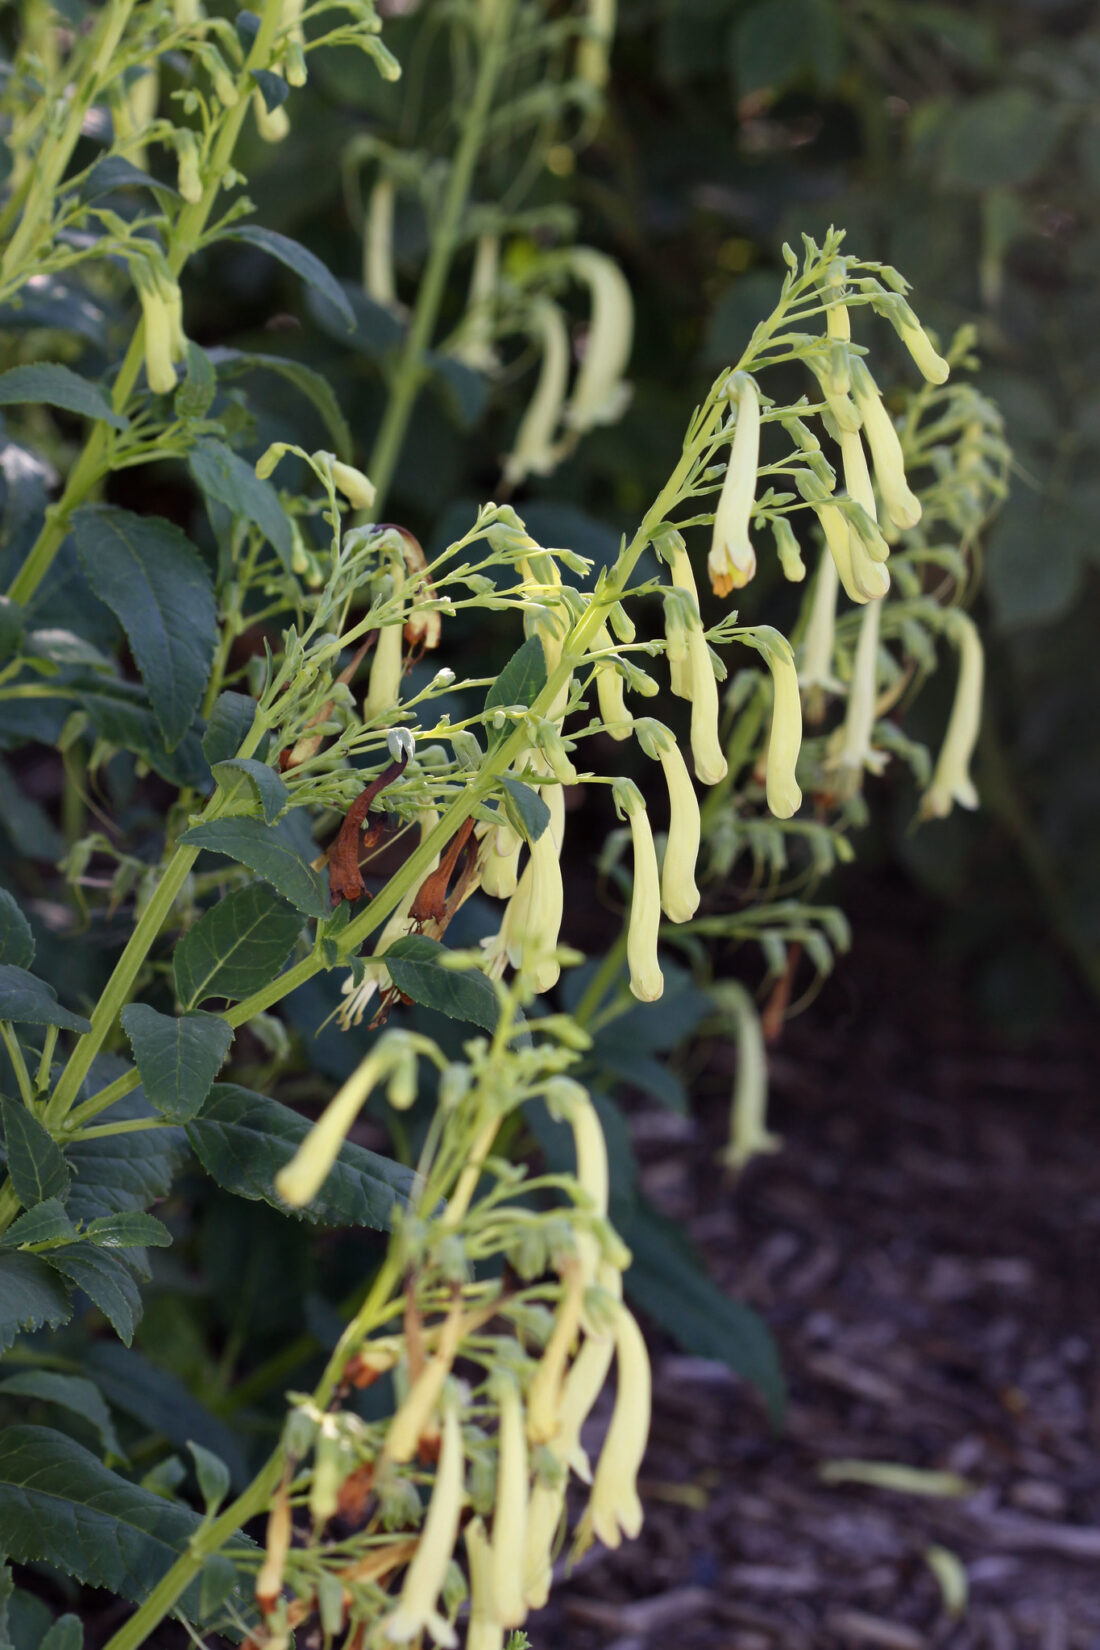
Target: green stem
(410, 371)
(19, 1065)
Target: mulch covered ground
(927, 1251)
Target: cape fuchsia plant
(496, 1313)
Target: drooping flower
(413, 1417)
(157, 324)
(356, 487)
(486, 1630)
(856, 751)
(614, 1509)
(899, 501)
(646, 980)
(785, 740)
(927, 359)
(600, 392)
(619, 723)
(706, 747)
(749, 1135)
(474, 345)
(732, 559)
(378, 276)
(536, 452)
(568, 1101)
(679, 894)
(418, 1607)
(951, 781)
(815, 675)
(272, 124)
(298, 1181)
(595, 43)
(510, 1508)
(500, 865)
(544, 1392)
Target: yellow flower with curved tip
(532, 920)
(418, 1607)
(600, 392)
(857, 479)
(749, 1136)
(899, 501)
(815, 674)
(301, 1179)
(595, 43)
(378, 276)
(951, 781)
(646, 980)
(187, 153)
(732, 559)
(679, 895)
(356, 487)
(706, 747)
(536, 452)
(614, 1509)
(544, 1392)
(544, 1512)
(159, 370)
(856, 752)
(510, 1508)
(413, 1416)
(474, 344)
(500, 866)
(926, 357)
(609, 692)
(785, 740)
(486, 1631)
(567, 1100)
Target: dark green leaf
(642, 1072)
(273, 88)
(152, 578)
(30, 1297)
(67, 1633)
(464, 392)
(178, 1057)
(58, 386)
(252, 843)
(64, 647)
(519, 683)
(667, 1279)
(303, 262)
(416, 970)
(122, 717)
(195, 395)
(236, 947)
(35, 1164)
(527, 811)
(161, 1402)
(212, 1474)
(248, 27)
(113, 172)
(59, 1505)
(999, 138)
(29, 1621)
(376, 331)
(129, 1229)
(106, 1280)
(123, 1171)
(16, 939)
(779, 42)
(231, 363)
(71, 1392)
(230, 721)
(47, 1222)
(29, 826)
(26, 1000)
(243, 1139)
(222, 474)
(265, 784)
(11, 628)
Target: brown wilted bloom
(344, 877)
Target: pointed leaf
(16, 939)
(129, 1229)
(212, 1474)
(223, 475)
(26, 1000)
(270, 855)
(113, 172)
(161, 1402)
(47, 1222)
(237, 947)
(230, 720)
(525, 808)
(264, 783)
(106, 1280)
(30, 1297)
(35, 1164)
(415, 968)
(58, 386)
(71, 1392)
(121, 715)
(519, 683)
(152, 578)
(243, 1139)
(297, 258)
(232, 363)
(178, 1058)
(124, 1171)
(67, 1633)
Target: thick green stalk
(410, 371)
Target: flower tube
(614, 1509)
(951, 781)
(302, 1178)
(378, 276)
(535, 451)
(899, 502)
(646, 980)
(679, 895)
(706, 747)
(418, 1607)
(785, 740)
(510, 1509)
(609, 692)
(732, 559)
(486, 1630)
(856, 752)
(601, 393)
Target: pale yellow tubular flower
(485, 1630)
(900, 503)
(732, 559)
(533, 917)
(816, 673)
(500, 867)
(474, 345)
(838, 537)
(378, 275)
(869, 576)
(857, 479)
(418, 1607)
(838, 323)
(301, 1179)
(679, 649)
(571, 1102)
(136, 109)
(927, 359)
(272, 124)
(600, 393)
(159, 370)
(414, 1415)
(679, 894)
(646, 980)
(536, 452)
(785, 741)
(544, 1393)
(856, 752)
(609, 693)
(544, 1511)
(614, 1509)
(749, 1136)
(357, 488)
(187, 155)
(706, 747)
(387, 666)
(595, 44)
(951, 781)
(510, 1509)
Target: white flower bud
(272, 124)
(357, 488)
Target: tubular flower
(646, 980)
(785, 741)
(706, 747)
(749, 1136)
(187, 153)
(272, 124)
(857, 479)
(679, 895)
(159, 370)
(376, 976)
(499, 868)
(510, 1509)
(415, 1413)
(677, 627)
(732, 559)
(357, 488)
(951, 781)
(418, 1607)
(816, 674)
(899, 502)
(544, 1393)
(609, 692)
(486, 1631)
(474, 346)
(928, 361)
(595, 43)
(856, 752)
(378, 277)
(601, 393)
(788, 550)
(536, 452)
(614, 1509)
(301, 1179)
(568, 1100)
(532, 921)
(269, 1578)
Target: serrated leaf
(178, 1057)
(31, 1297)
(58, 386)
(128, 1229)
(250, 842)
(47, 1222)
(519, 683)
(152, 578)
(231, 363)
(121, 716)
(106, 1280)
(223, 475)
(296, 257)
(230, 720)
(124, 1171)
(26, 1000)
(35, 1165)
(264, 783)
(525, 807)
(212, 1474)
(70, 1392)
(195, 395)
(59, 1505)
(16, 939)
(415, 968)
(161, 1402)
(237, 947)
(243, 1139)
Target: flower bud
(418, 1607)
(785, 741)
(535, 451)
(679, 895)
(272, 124)
(357, 488)
(609, 692)
(187, 154)
(159, 371)
(788, 550)
(221, 77)
(928, 361)
(732, 559)
(951, 781)
(706, 747)
(646, 980)
(500, 863)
